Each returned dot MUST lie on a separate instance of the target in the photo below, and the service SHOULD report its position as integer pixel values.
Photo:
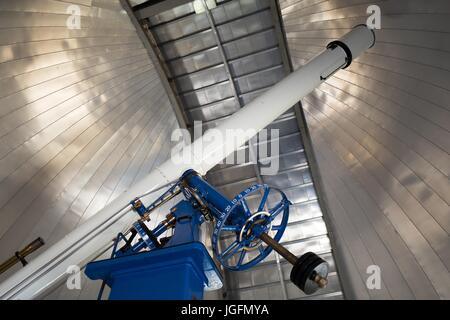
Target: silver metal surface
(252, 49)
(380, 132)
(83, 114)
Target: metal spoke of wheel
(246, 208)
(275, 211)
(264, 199)
(261, 249)
(231, 250)
(241, 231)
(231, 228)
(241, 257)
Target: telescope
(145, 264)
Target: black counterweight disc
(304, 270)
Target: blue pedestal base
(180, 272)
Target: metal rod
(221, 52)
(285, 253)
(289, 256)
(146, 37)
(161, 202)
(21, 255)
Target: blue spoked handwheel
(244, 226)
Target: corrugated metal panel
(380, 131)
(83, 114)
(248, 35)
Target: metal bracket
(139, 207)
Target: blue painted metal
(180, 272)
(181, 268)
(146, 235)
(139, 207)
(141, 243)
(119, 237)
(216, 201)
(171, 191)
(187, 221)
(233, 222)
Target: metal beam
(221, 52)
(150, 8)
(147, 41)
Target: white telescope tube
(80, 246)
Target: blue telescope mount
(150, 265)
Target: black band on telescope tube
(344, 47)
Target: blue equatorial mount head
(242, 220)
